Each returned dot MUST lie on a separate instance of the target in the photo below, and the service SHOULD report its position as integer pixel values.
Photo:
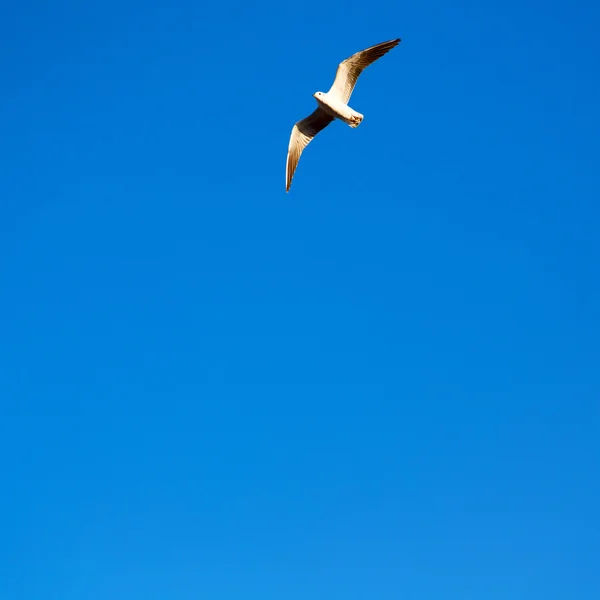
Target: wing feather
(349, 70)
(302, 134)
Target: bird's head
(318, 95)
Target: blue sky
(384, 386)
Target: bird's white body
(338, 109)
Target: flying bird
(333, 104)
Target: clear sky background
(382, 385)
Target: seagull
(333, 104)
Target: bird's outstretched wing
(302, 134)
(349, 70)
